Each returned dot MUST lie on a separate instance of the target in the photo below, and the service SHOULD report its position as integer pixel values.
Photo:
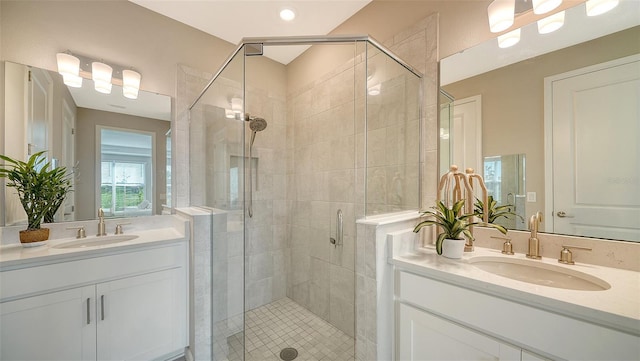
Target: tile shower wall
(321, 178)
(265, 252)
(418, 46)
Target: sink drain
(288, 354)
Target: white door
(68, 157)
(38, 111)
(423, 336)
(54, 326)
(595, 124)
(142, 317)
(466, 134)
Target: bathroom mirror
(116, 147)
(513, 113)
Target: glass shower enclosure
(286, 170)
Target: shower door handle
(337, 241)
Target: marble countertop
(617, 307)
(14, 255)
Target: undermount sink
(539, 273)
(96, 241)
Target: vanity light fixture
(551, 23)
(287, 14)
(130, 84)
(74, 68)
(544, 6)
(501, 15)
(69, 68)
(101, 75)
(599, 7)
(509, 39)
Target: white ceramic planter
(453, 248)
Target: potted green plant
(41, 191)
(493, 210)
(455, 224)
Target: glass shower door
(217, 136)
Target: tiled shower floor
(284, 323)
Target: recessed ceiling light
(287, 14)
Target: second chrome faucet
(534, 242)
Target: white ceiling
(233, 20)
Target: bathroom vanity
(97, 298)
(458, 309)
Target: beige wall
(117, 31)
(513, 101)
(463, 24)
(86, 185)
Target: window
(126, 180)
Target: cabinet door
(54, 326)
(423, 336)
(142, 317)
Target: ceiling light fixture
(287, 14)
(551, 23)
(501, 15)
(509, 39)
(544, 6)
(69, 68)
(599, 7)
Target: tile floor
(284, 323)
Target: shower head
(257, 124)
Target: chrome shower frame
(257, 45)
(254, 46)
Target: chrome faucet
(102, 229)
(534, 243)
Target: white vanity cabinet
(423, 336)
(52, 326)
(140, 318)
(439, 320)
(128, 306)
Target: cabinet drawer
(42, 279)
(526, 326)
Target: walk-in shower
(342, 144)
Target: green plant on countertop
(41, 190)
(453, 222)
(494, 210)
